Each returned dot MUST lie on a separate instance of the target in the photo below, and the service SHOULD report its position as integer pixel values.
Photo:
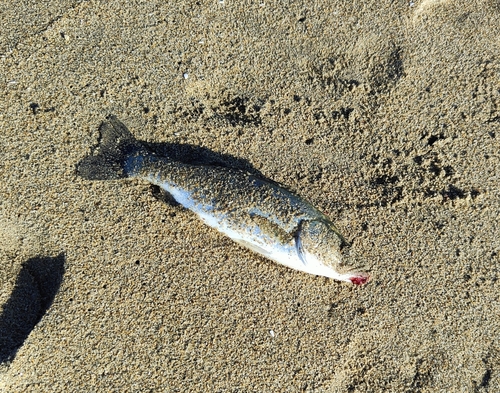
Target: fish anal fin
(163, 195)
(251, 246)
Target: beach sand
(385, 115)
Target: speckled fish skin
(256, 213)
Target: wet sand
(385, 115)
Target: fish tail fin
(107, 160)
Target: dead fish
(257, 213)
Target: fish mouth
(359, 278)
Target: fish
(255, 212)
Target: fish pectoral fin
(299, 246)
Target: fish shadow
(199, 155)
(35, 289)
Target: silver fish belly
(254, 212)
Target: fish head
(319, 246)
(317, 239)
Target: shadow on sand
(35, 289)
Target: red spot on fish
(359, 280)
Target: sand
(384, 114)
